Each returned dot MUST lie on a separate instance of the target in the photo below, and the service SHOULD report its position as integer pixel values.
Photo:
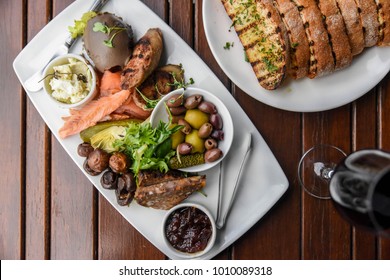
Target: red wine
(360, 190)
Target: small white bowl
(211, 241)
(160, 113)
(63, 60)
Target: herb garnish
(228, 45)
(101, 27)
(57, 75)
(269, 65)
(150, 104)
(180, 84)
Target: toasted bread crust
(260, 29)
(353, 23)
(383, 9)
(337, 33)
(370, 23)
(321, 59)
(299, 45)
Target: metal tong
(221, 219)
(33, 83)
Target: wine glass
(358, 184)
(316, 168)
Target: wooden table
(47, 214)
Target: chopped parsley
(228, 45)
(269, 65)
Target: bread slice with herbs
(338, 38)
(353, 24)
(262, 34)
(369, 17)
(321, 58)
(299, 45)
(383, 8)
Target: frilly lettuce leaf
(79, 25)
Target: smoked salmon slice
(92, 113)
(110, 83)
(132, 109)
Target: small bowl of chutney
(189, 230)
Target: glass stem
(327, 173)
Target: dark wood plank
(72, 217)
(325, 235)
(384, 143)
(117, 239)
(181, 19)
(269, 234)
(202, 48)
(364, 126)
(12, 139)
(37, 157)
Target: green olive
(177, 138)
(196, 142)
(196, 118)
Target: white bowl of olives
(207, 128)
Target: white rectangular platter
(262, 183)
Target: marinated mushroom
(89, 170)
(98, 160)
(109, 180)
(84, 149)
(125, 190)
(108, 41)
(119, 162)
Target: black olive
(109, 180)
(193, 101)
(207, 107)
(177, 111)
(98, 160)
(84, 149)
(125, 189)
(212, 155)
(88, 169)
(175, 100)
(218, 134)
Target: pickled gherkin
(186, 161)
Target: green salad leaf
(79, 25)
(147, 146)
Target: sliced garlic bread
(321, 58)
(260, 29)
(299, 45)
(337, 33)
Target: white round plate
(304, 95)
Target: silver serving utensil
(33, 83)
(220, 220)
